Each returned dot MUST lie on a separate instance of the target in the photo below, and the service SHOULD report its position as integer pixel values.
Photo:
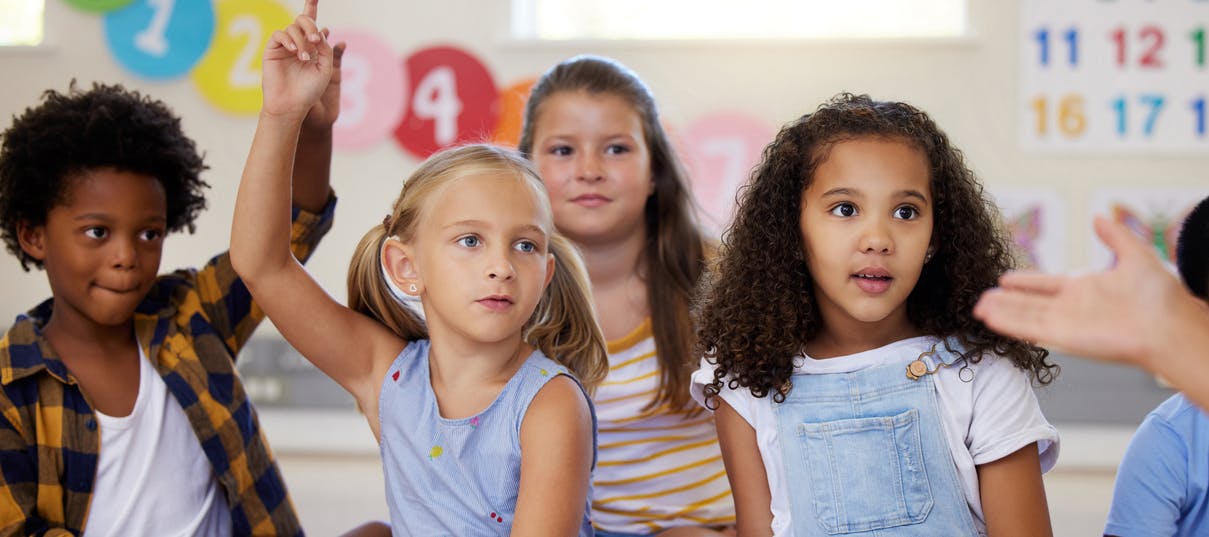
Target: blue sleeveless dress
(456, 477)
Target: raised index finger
(311, 9)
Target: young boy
(1162, 486)
(121, 412)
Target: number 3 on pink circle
(453, 100)
(373, 90)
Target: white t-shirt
(985, 419)
(152, 476)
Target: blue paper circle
(160, 39)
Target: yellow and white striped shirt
(656, 468)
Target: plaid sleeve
(19, 481)
(225, 299)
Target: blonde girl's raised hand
(351, 348)
(297, 66)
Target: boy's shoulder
(169, 291)
(23, 349)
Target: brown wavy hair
(674, 256)
(759, 308)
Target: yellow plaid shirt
(193, 323)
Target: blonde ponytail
(564, 324)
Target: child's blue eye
(844, 209)
(96, 232)
(906, 212)
(469, 241)
(560, 150)
(526, 246)
(617, 149)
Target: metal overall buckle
(919, 368)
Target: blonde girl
(483, 427)
(619, 192)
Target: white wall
(968, 85)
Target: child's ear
(551, 266)
(401, 267)
(32, 239)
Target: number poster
(1112, 76)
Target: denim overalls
(865, 454)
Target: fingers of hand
(338, 53)
(304, 38)
(1017, 314)
(310, 29)
(298, 42)
(311, 9)
(281, 39)
(1121, 240)
(1032, 282)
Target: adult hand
(1118, 315)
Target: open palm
(1109, 315)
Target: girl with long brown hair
(619, 192)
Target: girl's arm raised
(556, 461)
(1013, 496)
(745, 470)
(351, 349)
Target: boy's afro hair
(1192, 250)
(105, 127)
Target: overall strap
(943, 353)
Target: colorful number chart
(1114, 75)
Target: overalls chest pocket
(865, 453)
(866, 473)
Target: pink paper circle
(373, 90)
(720, 150)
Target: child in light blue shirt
(1162, 486)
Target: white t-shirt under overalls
(985, 419)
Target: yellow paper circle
(229, 74)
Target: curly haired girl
(854, 391)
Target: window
(733, 19)
(21, 23)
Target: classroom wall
(969, 86)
